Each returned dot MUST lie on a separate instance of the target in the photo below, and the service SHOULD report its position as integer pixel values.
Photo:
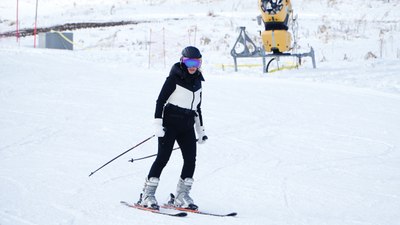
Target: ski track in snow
(310, 152)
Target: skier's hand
(201, 135)
(202, 139)
(158, 127)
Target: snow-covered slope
(307, 146)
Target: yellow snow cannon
(275, 16)
(276, 42)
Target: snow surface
(306, 146)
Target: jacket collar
(181, 71)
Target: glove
(158, 127)
(202, 137)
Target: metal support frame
(298, 55)
(250, 50)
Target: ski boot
(182, 198)
(147, 197)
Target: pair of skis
(182, 211)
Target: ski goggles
(190, 63)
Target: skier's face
(192, 70)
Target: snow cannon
(275, 16)
(277, 43)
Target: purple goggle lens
(190, 63)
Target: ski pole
(149, 156)
(121, 154)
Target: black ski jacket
(182, 90)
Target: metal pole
(313, 58)
(149, 156)
(121, 155)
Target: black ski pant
(179, 127)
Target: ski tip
(125, 203)
(232, 214)
(181, 214)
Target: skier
(177, 116)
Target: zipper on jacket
(191, 105)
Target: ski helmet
(191, 52)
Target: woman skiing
(177, 116)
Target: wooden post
(17, 23)
(164, 53)
(150, 49)
(35, 28)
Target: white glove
(158, 127)
(201, 135)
